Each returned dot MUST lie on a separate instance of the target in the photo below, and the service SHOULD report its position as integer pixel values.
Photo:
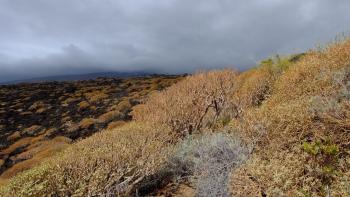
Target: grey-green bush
(208, 159)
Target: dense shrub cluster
(109, 163)
(191, 104)
(304, 147)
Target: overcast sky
(54, 37)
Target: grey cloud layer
(41, 37)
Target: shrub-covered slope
(301, 130)
(280, 129)
(40, 119)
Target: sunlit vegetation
(115, 124)
(95, 96)
(87, 122)
(34, 116)
(191, 104)
(141, 153)
(280, 129)
(301, 132)
(83, 105)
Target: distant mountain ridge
(78, 77)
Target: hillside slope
(37, 120)
(280, 129)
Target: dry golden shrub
(253, 87)
(41, 110)
(83, 105)
(69, 100)
(278, 135)
(115, 124)
(28, 183)
(32, 129)
(96, 95)
(93, 108)
(109, 116)
(14, 136)
(277, 175)
(314, 74)
(185, 105)
(308, 104)
(267, 125)
(35, 154)
(341, 186)
(113, 160)
(309, 93)
(108, 163)
(243, 184)
(21, 143)
(71, 126)
(124, 105)
(86, 123)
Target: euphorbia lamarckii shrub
(186, 105)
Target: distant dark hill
(79, 77)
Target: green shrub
(324, 161)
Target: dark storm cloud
(41, 37)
